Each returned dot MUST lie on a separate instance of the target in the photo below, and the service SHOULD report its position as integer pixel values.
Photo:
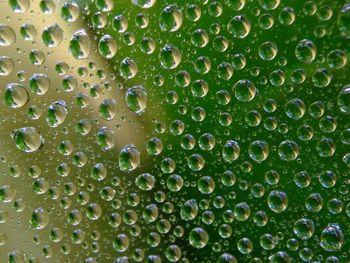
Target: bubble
(39, 219)
(47, 6)
(28, 139)
(277, 77)
(108, 109)
(304, 228)
(16, 256)
(199, 38)
(6, 65)
(305, 132)
(187, 142)
(345, 136)
(19, 6)
(268, 241)
(175, 183)
(39, 84)
(288, 150)
(335, 206)
(7, 35)
(93, 211)
(287, 16)
(189, 210)
(337, 58)
(321, 78)
(332, 238)
(144, 3)
(268, 51)
(198, 237)
(244, 90)
(121, 243)
(147, 45)
(344, 99)
(314, 202)
(325, 147)
(199, 88)
(173, 253)
(136, 99)
(129, 158)
(170, 56)
(236, 4)
(196, 162)
(206, 141)
(79, 45)
(128, 68)
(295, 109)
(202, 65)
(220, 43)
(105, 138)
(239, 61)
(99, 20)
(258, 151)
(242, 211)
(145, 182)
(36, 57)
(269, 4)
(193, 12)
(15, 96)
(343, 20)
(272, 177)
(70, 12)
(52, 35)
(206, 185)
(170, 18)
(230, 151)
(7, 194)
(239, 26)
(266, 21)
(306, 51)
(98, 172)
(107, 46)
(120, 24)
(277, 201)
(56, 113)
(245, 245)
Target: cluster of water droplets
(148, 131)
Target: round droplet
(239, 26)
(128, 68)
(170, 18)
(52, 35)
(6, 65)
(288, 150)
(198, 237)
(15, 96)
(259, 151)
(244, 90)
(305, 51)
(344, 20)
(277, 201)
(129, 158)
(39, 84)
(39, 219)
(79, 45)
(107, 46)
(136, 99)
(57, 113)
(7, 35)
(144, 3)
(344, 99)
(108, 109)
(170, 56)
(332, 238)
